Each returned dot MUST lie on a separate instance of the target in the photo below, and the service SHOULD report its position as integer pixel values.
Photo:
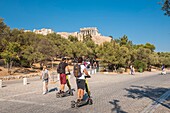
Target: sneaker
(78, 100)
(60, 92)
(44, 93)
(71, 93)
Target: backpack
(45, 75)
(77, 70)
(60, 68)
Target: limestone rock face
(93, 31)
(101, 39)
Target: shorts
(63, 78)
(45, 80)
(80, 84)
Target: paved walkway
(18, 98)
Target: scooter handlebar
(87, 76)
(68, 73)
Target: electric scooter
(69, 92)
(86, 99)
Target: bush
(141, 66)
(121, 70)
(25, 63)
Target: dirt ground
(3, 71)
(19, 70)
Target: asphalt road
(148, 92)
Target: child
(45, 77)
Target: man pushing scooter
(81, 74)
(61, 69)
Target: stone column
(0, 83)
(24, 81)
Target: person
(131, 69)
(163, 67)
(61, 69)
(115, 68)
(45, 78)
(94, 65)
(163, 70)
(81, 80)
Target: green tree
(123, 56)
(79, 49)
(166, 7)
(11, 53)
(149, 46)
(143, 55)
(164, 58)
(87, 38)
(140, 65)
(106, 52)
(72, 38)
(154, 59)
(4, 35)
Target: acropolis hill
(93, 31)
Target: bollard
(58, 77)
(89, 72)
(106, 73)
(0, 83)
(95, 71)
(24, 81)
(92, 71)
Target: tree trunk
(11, 62)
(52, 63)
(7, 65)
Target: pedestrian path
(106, 89)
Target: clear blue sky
(141, 20)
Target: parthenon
(89, 31)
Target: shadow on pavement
(153, 93)
(53, 89)
(4, 86)
(117, 107)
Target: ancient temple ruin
(93, 31)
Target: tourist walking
(45, 78)
(131, 69)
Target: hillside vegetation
(25, 49)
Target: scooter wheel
(72, 105)
(58, 95)
(77, 105)
(71, 93)
(90, 102)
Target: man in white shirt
(81, 80)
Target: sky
(142, 21)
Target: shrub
(121, 70)
(141, 66)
